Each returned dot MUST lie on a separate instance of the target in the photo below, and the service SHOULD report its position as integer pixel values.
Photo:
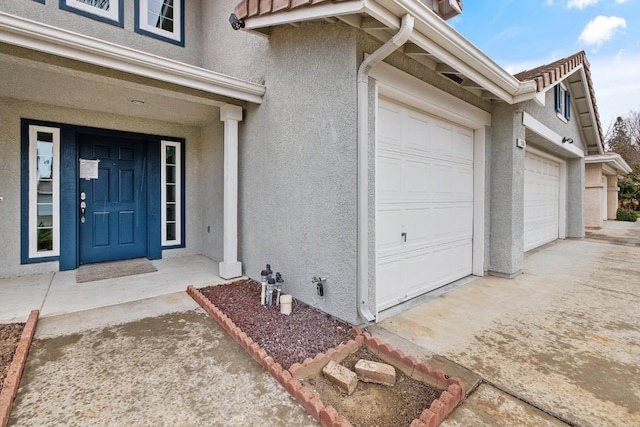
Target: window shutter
(558, 95)
(567, 105)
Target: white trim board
(538, 128)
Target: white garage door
(541, 200)
(424, 203)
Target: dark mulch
(288, 339)
(9, 338)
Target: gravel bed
(288, 339)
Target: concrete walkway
(173, 366)
(562, 339)
(58, 293)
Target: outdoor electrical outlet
(319, 282)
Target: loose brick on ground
(344, 378)
(375, 372)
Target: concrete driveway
(559, 343)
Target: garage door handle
(404, 237)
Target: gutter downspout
(400, 38)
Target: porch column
(230, 267)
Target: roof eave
(613, 159)
(431, 33)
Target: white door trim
(562, 202)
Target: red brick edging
(453, 393)
(12, 381)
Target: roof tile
(265, 6)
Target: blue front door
(113, 207)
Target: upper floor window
(162, 19)
(110, 11)
(563, 102)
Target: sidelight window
(171, 199)
(44, 191)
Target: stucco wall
(506, 180)
(575, 198)
(11, 111)
(51, 14)
(297, 165)
(228, 51)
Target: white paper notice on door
(89, 169)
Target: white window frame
(176, 35)
(113, 14)
(163, 196)
(33, 192)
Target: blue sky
(523, 34)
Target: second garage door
(424, 203)
(541, 200)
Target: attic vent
(456, 78)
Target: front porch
(58, 293)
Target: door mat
(110, 270)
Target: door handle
(83, 208)
(404, 237)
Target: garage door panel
(419, 177)
(434, 162)
(419, 223)
(389, 272)
(452, 262)
(452, 182)
(418, 128)
(442, 141)
(388, 177)
(463, 146)
(435, 267)
(389, 125)
(389, 229)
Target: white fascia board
(290, 16)
(45, 38)
(615, 160)
(540, 129)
